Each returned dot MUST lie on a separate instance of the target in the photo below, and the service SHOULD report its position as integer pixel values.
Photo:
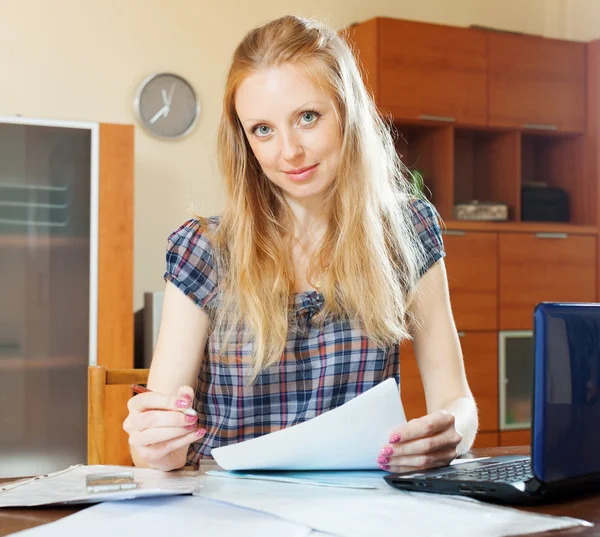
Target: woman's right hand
(159, 431)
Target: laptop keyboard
(503, 472)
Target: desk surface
(587, 508)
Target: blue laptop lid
(566, 404)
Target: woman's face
(293, 130)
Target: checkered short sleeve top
(321, 368)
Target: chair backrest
(98, 379)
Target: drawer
(472, 265)
(480, 352)
(542, 267)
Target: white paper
(366, 513)
(68, 486)
(160, 517)
(349, 437)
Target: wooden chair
(99, 378)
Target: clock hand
(171, 91)
(164, 97)
(159, 114)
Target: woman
(295, 300)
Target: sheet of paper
(158, 517)
(68, 486)
(356, 479)
(364, 513)
(346, 438)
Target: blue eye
(309, 116)
(261, 131)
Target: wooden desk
(587, 508)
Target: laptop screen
(566, 424)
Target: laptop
(565, 429)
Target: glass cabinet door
(516, 378)
(45, 177)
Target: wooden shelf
(41, 241)
(521, 227)
(16, 363)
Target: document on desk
(157, 517)
(69, 486)
(364, 513)
(362, 426)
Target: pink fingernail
(187, 398)
(384, 467)
(182, 403)
(200, 432)
(383, 460)
(190, 418)
(387, 451)
(394, 439)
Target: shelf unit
(66, 261)
(480, 114)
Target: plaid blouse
(321, 368)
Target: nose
(291, 146)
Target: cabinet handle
(461, 334)
(445, 119)
(454, 232)
(545, 235)
(540, 126)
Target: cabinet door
(536, 82)
(543, 267)
(521, 437)
(430, 71)
(480, 351)
(486, 440)
(472, 265)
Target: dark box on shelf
(544, 204)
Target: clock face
(166, 105)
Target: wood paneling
(536, 81)
(472, 265)
(480, 350)
(536, 268)
(115, 275)
(432, 70)
(515, 438)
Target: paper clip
(110, 482)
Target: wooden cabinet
(536, 82)
(543, 267)
(520, 437)
(425, 71)
(472, 265)
(486, 440)
(65, 296)
(480, 350)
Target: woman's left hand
(425, 442)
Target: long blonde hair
(370, 250)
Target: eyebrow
(305, 105)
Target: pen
(141, 389)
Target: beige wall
(83, 59)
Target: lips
(300, 174)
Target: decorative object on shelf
(166, 105)
(476, 210)
(544, 204)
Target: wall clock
(166, 105)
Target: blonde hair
(370, 250)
